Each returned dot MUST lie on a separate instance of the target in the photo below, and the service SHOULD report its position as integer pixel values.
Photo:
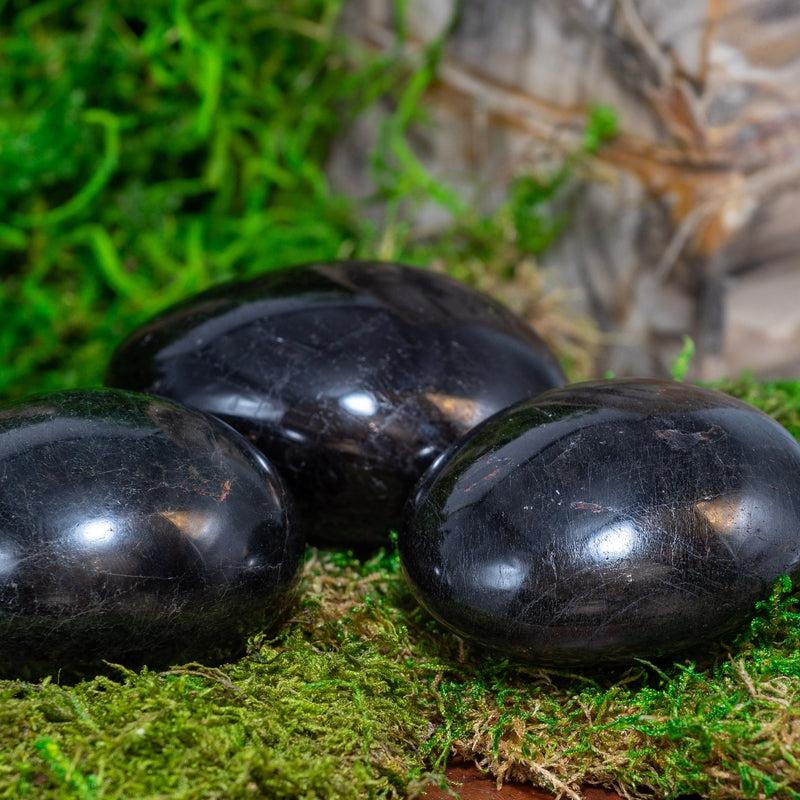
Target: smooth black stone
(352, 377)
(606, 521)
(135, 531)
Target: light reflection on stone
(725, 513)
(8, 561)
(197, 525)
(96, 532)
(615, 541)
(505, 575)
(466, 411)
(361, 404)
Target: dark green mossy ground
(149, 149)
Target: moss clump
(294, 719)
(149, 149)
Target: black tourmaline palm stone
(605, 521)
(350, 377)
(135, 531)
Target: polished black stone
(351, 377)
(605, 521)
(136, 531)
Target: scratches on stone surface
(583, 505)
(684, 440)
(488, 477)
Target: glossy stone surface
(605, 521)
(136, 531)
(351, 377)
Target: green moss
(149, 149)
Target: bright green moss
(149, 149)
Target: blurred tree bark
(687, 220)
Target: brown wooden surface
(471, 784)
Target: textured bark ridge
(686, 221)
